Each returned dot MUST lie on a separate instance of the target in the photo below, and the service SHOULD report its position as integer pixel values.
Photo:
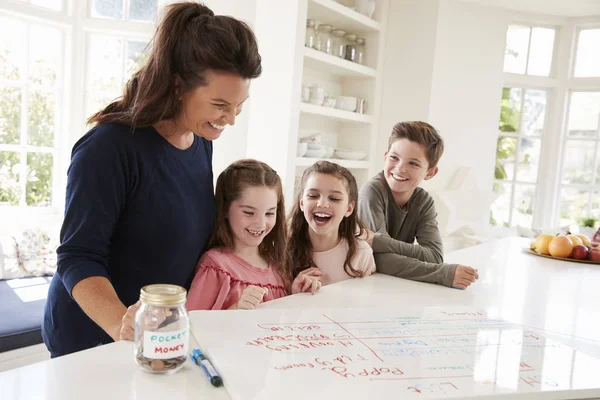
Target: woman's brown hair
(231, 183)
(190, 40)
(299, 247)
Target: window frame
(77, 23)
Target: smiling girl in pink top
(325, 231)
(246, 261)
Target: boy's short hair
(422, 133)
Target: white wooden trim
(321, 61)
(333, 113)
(350, 164)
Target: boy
(398, 211)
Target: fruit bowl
(535, 253)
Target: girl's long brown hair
(299, 247)
(190, 40)
(232, 181)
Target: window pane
(39, 179)
(42, 117)
(9, 178)
(12, 48)
(105, 63)
(534, 113)
(143, 10)
(540, 52)
(505, 158)
(523, 208)
(10, 115)
(515, 55)
(136, 57)
(584, 111)
(588, 56)
(529, 159)
(56, 5)
(45, 55)
(579, 161)
(595, 211)
(500, 209)
(510, 110)
(573, 205)
(107, 9)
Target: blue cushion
(21, 311)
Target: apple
(580, 252)
(594, 254)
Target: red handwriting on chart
(293, 328)
(538, 381)
(442, 387)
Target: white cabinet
(278, 116)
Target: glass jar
(162, 328)
(360, 50)
(309, 39)
(324, 38)
(350, 53)
(339, 43)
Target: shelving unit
(334, 113)
(340, 77)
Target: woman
(140, 202)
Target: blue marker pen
(201, 361)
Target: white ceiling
(562, 8)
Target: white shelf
(350, 164)
(342, 17)
(318, 60)
(334, 113)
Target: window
(31, 75)
(580, 180)
(529, 50)
(548, 149)
(518, 155)
(37, 48)
(587, 62)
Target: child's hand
(464, 276)
(250, 298)
(306, 283)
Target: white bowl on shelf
(315, 153)
(301, 149)
(346, 154)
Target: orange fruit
(542, 242)
(575, 239)
(561, 246)
(585, 240)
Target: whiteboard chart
(452, 352)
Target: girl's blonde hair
(231, 183)
(299, 247)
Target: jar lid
(360, 40)
(338, 32)
(325, 27)
(310, 23)
(163, 295)
(351, 36)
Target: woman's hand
(308, 280)
(250, 298)
(464, 276)
(128, 322)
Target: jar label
(163, 345)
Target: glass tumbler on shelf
(161, 329)
(339, 43)
(310, 38)
(350, 53)
(360, 50)
(323, 42)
